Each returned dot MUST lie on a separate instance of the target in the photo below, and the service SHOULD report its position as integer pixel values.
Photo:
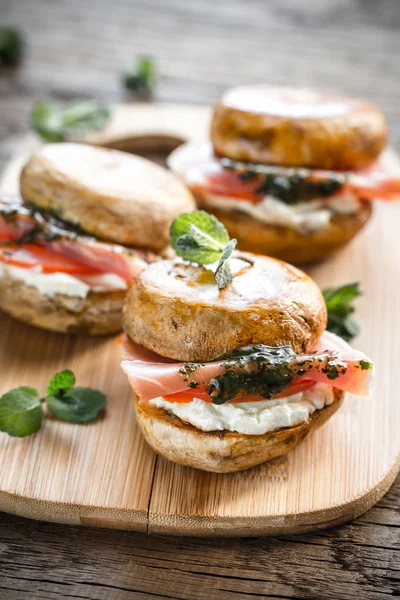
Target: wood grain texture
(76, 50)
(54, 562)
(96, 474)
(335, 475)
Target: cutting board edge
(260, 526)
(142, 520)
(74, 514)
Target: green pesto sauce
(291, 185)
(297, 187)
(265, 371)
(257, 369)
(46, 225)
(365, 365)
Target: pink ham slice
(151, 375)
(106, 258)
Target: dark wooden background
(77, 49)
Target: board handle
(152, 127)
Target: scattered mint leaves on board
(78, 405)
(20, 412)
(56, 124)
(21, 408)
(339, 304)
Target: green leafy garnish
(21, 408)
(78, 405)
(56, 124)
(11, 46)
(143, 78)
(199, 237)
(62, 381)
(339, 303)
(223, 273)
(20, 412)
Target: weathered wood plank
(359, 560)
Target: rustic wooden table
(77, 49)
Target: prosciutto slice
(332, 362)
(106, 258)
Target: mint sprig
(61, 382)
(142, 79)
(56, 124)
(339, 304)
(21, 410)
(201, 238)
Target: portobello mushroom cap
(176, 309)
(113, 195)
(297, 127)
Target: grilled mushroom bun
(115, 196)
(176, 310)
(297, 128)
(89, 220)
(227, 379)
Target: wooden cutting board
(103, 474)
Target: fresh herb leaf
(198, 237)
(20, 412)
(143, 79)
(201, 238)
(223, 273)
(47, 122)
(56, 124)
(62, 382)
(78, 405)
(11, 46)
(339, 303)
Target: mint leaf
(55, 124)
(198, 237)
(339, 304)
(78, 405)
(47, 122)
(223, 273)
(61, 382)
(187, 247)
(11, 46)
(87, 115)
(143, 78)
(20, 412)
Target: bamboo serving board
(103, 474)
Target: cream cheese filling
(251, 418)
(51, 284)
(304, 217)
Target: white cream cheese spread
(251, 418)
(51, 284)
(307, 216)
